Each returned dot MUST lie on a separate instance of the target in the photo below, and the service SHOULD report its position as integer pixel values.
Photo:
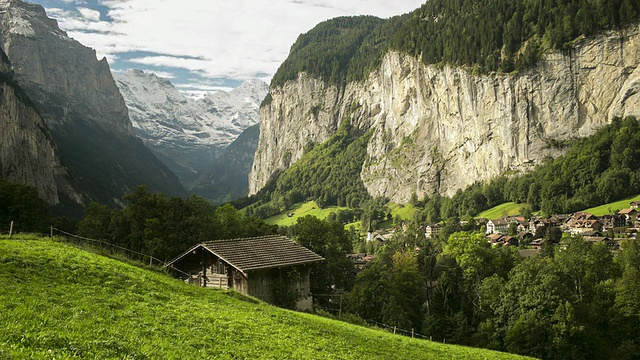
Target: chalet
(634, 204)
(538, 224)
(523, 226)
(360, 260)
(432, 230)
(611, 244)
(576, 221)
(495, 239)
(610, 222)
(537, 244)
(630, 215)
(510, 241)
(497, 226)
(525, 236)
(581, 226)
(250, 266)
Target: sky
(203, 45)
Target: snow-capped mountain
(188, 134)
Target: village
(531, 235)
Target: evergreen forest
(484, 36)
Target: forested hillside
(488, 35)
(328, 173)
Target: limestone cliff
(439, 129)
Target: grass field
(60, 302)
(300, 210)
(612, 207)
(311, 208)
(404, 211)
(501, 210)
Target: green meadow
(612, 207)
(502, 210)
(300, 210)
(62, 302)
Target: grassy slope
(300, 210)
(501, 210)
(59, 301)
(404, 211)
(311, 208)
(513, 208)
(612, 207)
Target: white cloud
(171, 61)
(221, 38)
(90, 14)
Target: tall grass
(58, 301)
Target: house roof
(627, 211)
(501, 222)
(258, 253)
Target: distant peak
(253, 83)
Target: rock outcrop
(439, 129)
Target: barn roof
(257, 253)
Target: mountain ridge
(187, 134)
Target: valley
(467, 172)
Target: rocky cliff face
(187, 134)
(27, 152)
(439, 129)
(54, 68)
(82, 108)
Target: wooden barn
(248, 265)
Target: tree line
(164, 227)
(485, 36)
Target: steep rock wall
(439, 129)
(55, 69)
(27, 153)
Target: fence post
(412, 332)
(51, 227)
(394, 330)
(11, 230)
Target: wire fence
(135, 255)
(113, 248)
(335, 307)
